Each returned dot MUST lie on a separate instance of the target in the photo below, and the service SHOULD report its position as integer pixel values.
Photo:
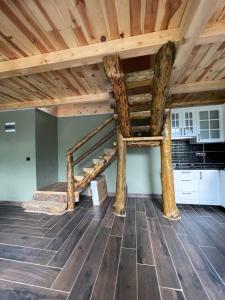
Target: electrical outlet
(202, 154)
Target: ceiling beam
(82, 99)
(134, 46)
(202, 86)
(196, 17)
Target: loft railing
(71, 162)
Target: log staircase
(54, 199)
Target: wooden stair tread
(49, 207)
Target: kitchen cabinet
(183, 123)
(205, 123)
(210, 124)
(197, 187)
(222, 185)
(209, 187)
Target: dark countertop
(198, 166)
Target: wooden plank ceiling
(30, 28)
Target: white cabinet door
(189, 122)
(209, 187)
(176, 123)
(222, 187)
(210, 124)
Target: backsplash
(208, 155)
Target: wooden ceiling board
(41, 26)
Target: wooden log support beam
(116, 76)
(162, 71)
(137, 129)
(70, 183)
(146, 144)
(142, 99)
(170, 209)
(121, 193)
(143, 139)
(139, 78)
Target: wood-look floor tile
(24, 230)
(144, 249)
(118, 226)
(72, 267)
(28, 273)
(216, 259)
(129, 234)
(31, 255)
(198, 232)
(148, 287)
(109, 217)
(211, 281)
(169, 294)
(158, 208)
(140, 204)
(150, 211)
(23, 240)
(63, 220)
(64, 252)
(85, 281)
(66, 231)
(126, 286)
(164, 265)
(16, 291)
(190, 282)
(217, 227)
(106, 280)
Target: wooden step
(97, 161)
(48, 207)
(79, 178)
(109, 152)
(55, 196)
(88, 170)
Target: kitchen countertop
(198, 166)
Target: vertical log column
(169, 205)
(121, 193)
(162, 71)
(116, 76)
(70, 182)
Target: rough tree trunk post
(162, 71)
(70, 182)
(116, 76)
(120, 199)
(170, 209)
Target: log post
(170, 209)
(70, 183)
(162, 71)
(116, 76)
(121, 193)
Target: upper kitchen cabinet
(205, 123)
(183, 123)
(210, 124)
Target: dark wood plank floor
(92, 254)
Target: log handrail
(89, 136)
(71, 163)
(94, 147)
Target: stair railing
(71, 162)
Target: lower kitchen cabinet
(222, 185)
(197, 187)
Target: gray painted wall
(143, 165)
(46, 148)
(17, 176)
